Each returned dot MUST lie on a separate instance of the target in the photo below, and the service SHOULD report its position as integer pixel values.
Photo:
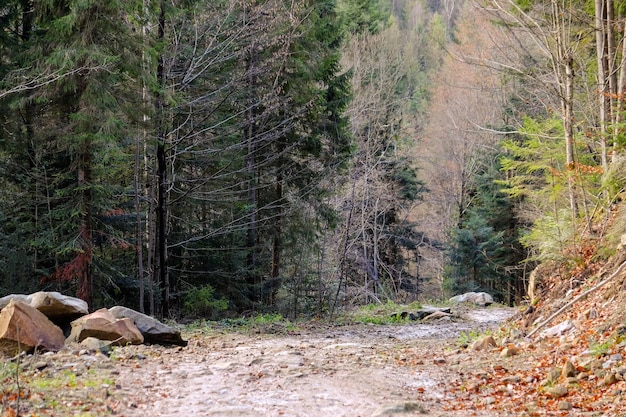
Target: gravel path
(355, 370)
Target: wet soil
(314, 371)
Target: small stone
(439, 361)
(509, 351)
(530, 379)
(559, 329)
(569, 370)
(565, 405)
(590, 314)
(513, 379)
(488, 400)
(553, 375)
(486, 342)
(609, 379)
(402, 408)
(557, 391)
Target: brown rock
(565, 405)
(551, 377)
(557, 391)
(582, 376)
(509, 351)
(23, 328)
(486, 342)
(102, 325)
(609, 379)
(568, 370)
(437, 315)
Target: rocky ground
(356, 370)
(307, 370)
(315, 370)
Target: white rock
(478, 298)
(559, 329)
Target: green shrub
(201, 302)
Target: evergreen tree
(255, 122)
(66, 153)
(485, 253)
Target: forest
(210, 159)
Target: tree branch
(575, 300)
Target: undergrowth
(28, 392)
(382, 313)
(262, 323)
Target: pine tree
(485, 253)
(82, 112)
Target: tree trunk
(140, 227)
(161, 176)
(250, 132)
(620, 87)
(568, 117)
(161, 219)
(84, 258)
(276, 245)
(602, 63)
(563, 63)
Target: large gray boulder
(4, 301)
(58, 306)
(153, 330)
(54, 305)
(24, 328)
(478, 298)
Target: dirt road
(314, 371)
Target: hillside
(564, 353)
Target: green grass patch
(467, 338)
(261, 323)
(383, 313)
(53, 391)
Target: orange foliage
(73, 269)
